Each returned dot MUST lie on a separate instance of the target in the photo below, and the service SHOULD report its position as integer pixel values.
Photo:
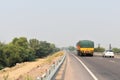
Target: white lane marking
(112, 61)
(90, 72)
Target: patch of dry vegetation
(31, 69)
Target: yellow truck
(85, 47)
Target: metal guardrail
(52, 70)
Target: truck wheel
(78, 53)
(81, 54)
(91, 54)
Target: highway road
(91, 68)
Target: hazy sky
(63, 22)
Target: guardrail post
(52, 70)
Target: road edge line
(89, 71)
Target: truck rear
(85, 47)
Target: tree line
(101, 49)
(21, 50)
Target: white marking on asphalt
(112, 61)
(90, 72)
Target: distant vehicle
(108, 53)
(85, 47)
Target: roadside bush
(20, 50)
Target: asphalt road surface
(91, 68)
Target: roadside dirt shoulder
(29, 70)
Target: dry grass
(54, 57)
(31, 69)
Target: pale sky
(63, 22)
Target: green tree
(11, 55)
(71, 48)
(25, 52)
(45, 49)
(99, 49)
(20, 50)
(2, 44)
(34, 44)
(22, 41)
(3, 59)
(116, 50)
